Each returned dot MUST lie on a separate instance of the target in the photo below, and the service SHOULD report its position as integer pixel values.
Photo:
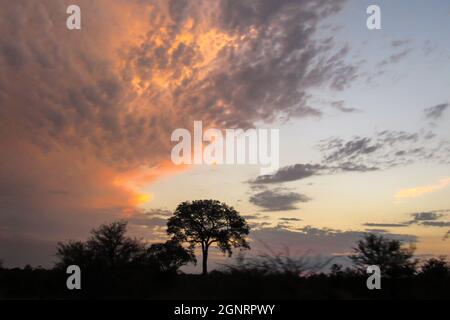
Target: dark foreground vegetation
(115, 266)
(131, 283)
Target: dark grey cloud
(352, 167)
(279, 199)
(251, 217)
(439, 224)
(241, 15)
(257, 220)
(290, 173)
(386, 225)
(429, 218)
(340, 105)
(394, 137)
(426, 216)
(384, 150)
(302, 171)
(290, 219)
(352, 149)
(258, 225)
(436, 112)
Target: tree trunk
(205, 261)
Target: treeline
(117, 266)
(109, 248)
(114, 265)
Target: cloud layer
(384, 150)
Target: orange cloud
(419, 191)
(86, 116)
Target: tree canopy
(109, 247)
(208, 222)
(170, 256)
(436, 267)
(390, 255)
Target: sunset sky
(86, 118)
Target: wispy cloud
(423, 218)
(290, 173)
(436, 112)
(386, 225)
(400, 42)
(383, 150)
(395, 58)
(421, 190)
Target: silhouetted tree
(390, 255)
(336, 270)
(169, 256)
(73, 253)
(436, 267)
(208, 222)
(28, 267)
(111, 247)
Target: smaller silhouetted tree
(206, 223)
(390, 255)
(436, 268)
(110, 246)
(73, 253)
(169, 256)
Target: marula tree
(208, 222)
